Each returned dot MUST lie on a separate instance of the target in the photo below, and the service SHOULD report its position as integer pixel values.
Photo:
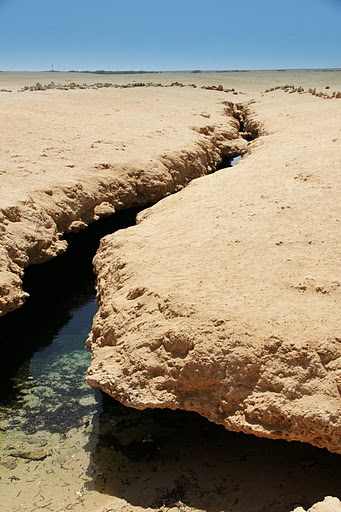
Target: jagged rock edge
(75, 206)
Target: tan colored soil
(68, 158)
(233, 310)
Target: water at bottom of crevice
(228, 161)
(64, 446)
(44, 360)
(235, 160)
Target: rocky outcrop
(224, 299)
(100, 85)
(51, 196)
(300, 90)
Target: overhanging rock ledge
(224, 299)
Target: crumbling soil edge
(47, 215)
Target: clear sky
(169, 34)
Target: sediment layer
(224, 299)
(66, 164)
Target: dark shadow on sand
(158, 458)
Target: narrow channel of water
(44, 361)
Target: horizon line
(144, 71)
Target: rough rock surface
(66, 163)
(329, 504)
(225, 298)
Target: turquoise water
(42, 385)
(50, 388)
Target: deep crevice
(56, 287)
(66, 282)
(61, 282)
(249, 128)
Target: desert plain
(223, 300)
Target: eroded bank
(58, 178)
(66, 446)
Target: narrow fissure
(249, 129)
(57, 288)
(60, 290)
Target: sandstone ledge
(57, 178)
(224, 299)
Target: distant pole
(52, 67)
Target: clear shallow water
(51, 391)
(42, 385)
(235, 160)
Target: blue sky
(169, 34)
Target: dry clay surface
(225, 298)
(68, 158)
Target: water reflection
(235, 160)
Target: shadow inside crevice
(57, 289)
(157, 458)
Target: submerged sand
(55, 141)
